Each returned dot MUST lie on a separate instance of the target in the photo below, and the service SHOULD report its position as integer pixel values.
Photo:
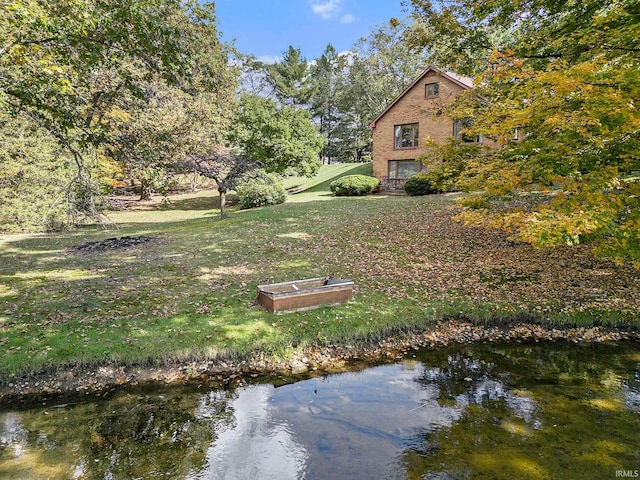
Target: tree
(156, 133)
(33, 170)
(150, 139)
(57, 53)
(282, 139)
(223, 166)
(342, 91)
(324, 108)
(289, 78)
(265, 137)
(563, 76)
(73, 67)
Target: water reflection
(255, 445)
(356, 425)
(546, 411)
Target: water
(547, 411)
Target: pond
(547, 411)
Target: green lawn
(190, 293)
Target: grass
(327, 174)
(190, 293)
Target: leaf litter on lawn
(406, 255)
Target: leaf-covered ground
(189, 293)
(413, 248)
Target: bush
(354, 185)
(261, 190)
(420, 184)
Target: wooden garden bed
(304, 294)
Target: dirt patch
(113, 243)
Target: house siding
(413, 107)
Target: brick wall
(413, 107)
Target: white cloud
(269, 59)
(348, 18)
(349, 55)
(326, 9)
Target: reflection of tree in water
(130, 436)
(532, 412)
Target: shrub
(354, 185)
(261, 190)
(420, 184)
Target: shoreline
(102, 380)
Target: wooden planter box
(304, 294)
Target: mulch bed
(113, 243)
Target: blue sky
(266, 28)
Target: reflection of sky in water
(486, 389)
(255, 445)
(353, 425)
(12, 434)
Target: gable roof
(464, 82)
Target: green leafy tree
(563, 77)
(156, 133)
(342, 91)
(265, 136)
(447, 163)
(33, 171)
(383, 67)
(282, 139)
(73, 67)
(152, 138)
(379, 67)
(65, 63)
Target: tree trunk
(145, 190)
(222, 190)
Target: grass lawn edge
(98, 380)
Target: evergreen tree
(324, 101)
(290, 78)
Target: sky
(266, 28)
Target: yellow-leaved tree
(558, 88)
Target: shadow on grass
(358, 169)
(207, 200)
(199, 203)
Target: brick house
(400, 130)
